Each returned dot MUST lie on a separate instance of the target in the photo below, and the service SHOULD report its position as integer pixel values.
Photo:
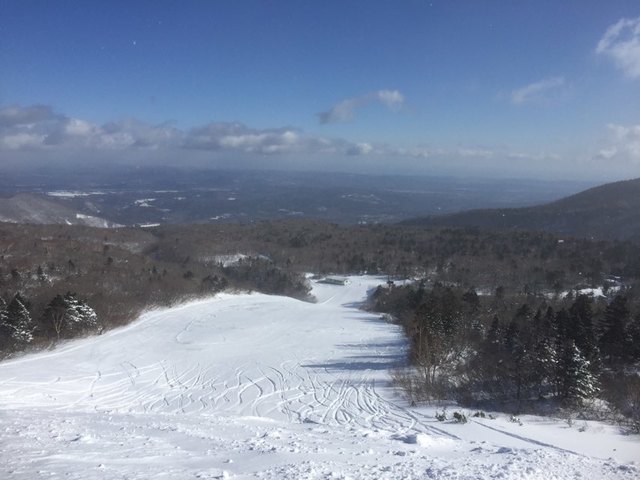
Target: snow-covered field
(256, 386)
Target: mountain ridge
(608, 211)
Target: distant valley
(147, 197)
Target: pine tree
(80, 317)
(561, 325)
(613, 330)
(545, 365)
(16, 324)
(5, 330)
(577, 383)
(491, 355)
(69, 316)
(632, 351)
(519, 361)
(495, 331)
(580, 325)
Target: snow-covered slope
(255, 386)
(37, 209)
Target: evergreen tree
(511, 340)
(5, 330)
(544, 365)
(16, 326)
(561, 325)
(487, 365)
(494, 333)
(577, 383)
(80, 316)
(613, 331)
(580, 325)
(632, 352)
(515, 358)
(471, 300)
(69, 316)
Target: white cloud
(621, 43)
(40, 127)
(360, 149)
(345, 110)
(240, 138)
(623, 145)
(475, 152)
(28, 128)
(20, 141)
(535, 91)
(391, 98)
(16, 115)
(42, 135)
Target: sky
(536, 89)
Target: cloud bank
(346, 109)
(37, 135)
(40, 128)
(621, 43)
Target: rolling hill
(610, 211)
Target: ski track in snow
(256, 386)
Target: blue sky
(539, 88)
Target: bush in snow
(459, 417)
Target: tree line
(65, 316)
(121, 272)
(518, 351)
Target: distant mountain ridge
(38, 209)
(609, 211)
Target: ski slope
(257, 386)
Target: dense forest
(509, 306)
(520, 351)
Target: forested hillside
(608, 211)
(520, 351)
(119, 272)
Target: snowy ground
(256, 386)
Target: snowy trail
(225, 356)
(256, 386)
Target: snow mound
(424, 440)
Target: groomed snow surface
(256, 386)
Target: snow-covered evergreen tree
(545, 365)
(5, 331)
(80, 317)
(16, 326)
(576, 380)
(580, 325)
(633, 339)
(613, 330)
(69, 316)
